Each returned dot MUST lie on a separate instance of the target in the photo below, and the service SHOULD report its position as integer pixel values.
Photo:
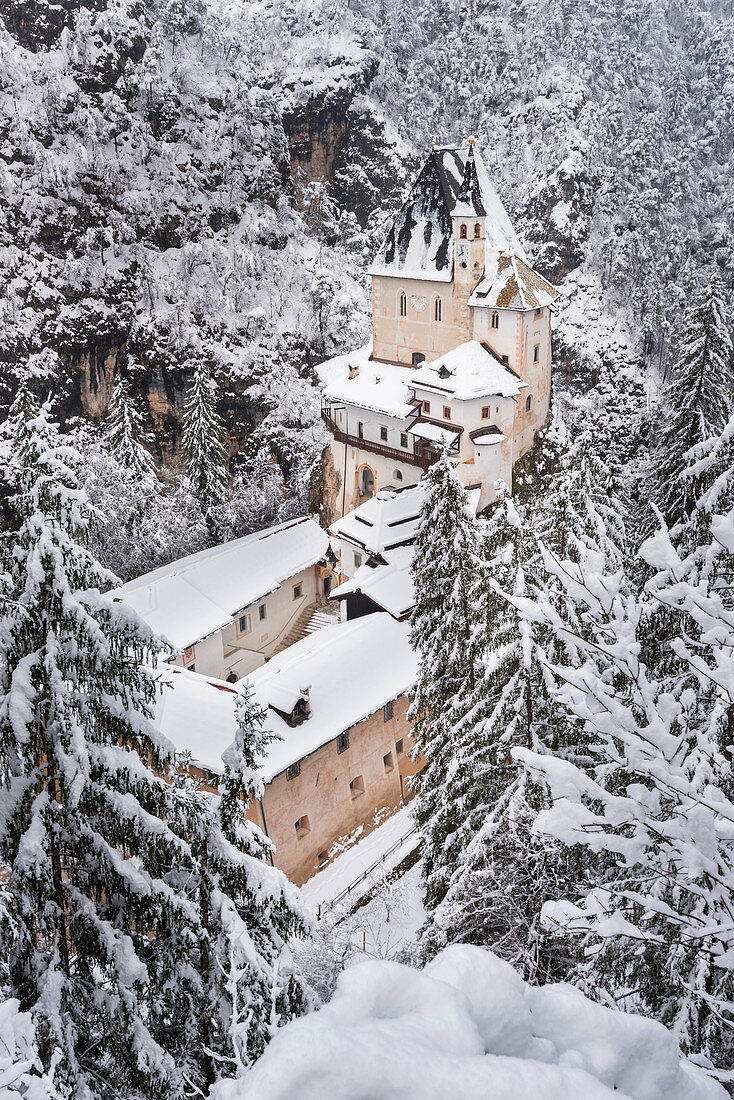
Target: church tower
(468, 219)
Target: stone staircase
(312, 618)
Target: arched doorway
(366, 482)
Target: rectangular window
(387, 711)
(403, 439)
(485, 412)
(536, 353)
(426, 406)
(342, 742)
(383, 434)
(297, 591)
(303, 826)
(357, 560)
(243, 624)
(262, 612)
(387, 762)
(447, 412)
(294, 771)
(399, 747)
(360, 429)
(356, 787)
(505, 359)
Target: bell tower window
(437, 310)
(477, 229)
(403, 304)
(462, 231)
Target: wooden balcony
(423, 457)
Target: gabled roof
(350, 670)
(510, 283)
(198, 595)
(468, 371)
(386, 520)
(419, 245)
(387, 582)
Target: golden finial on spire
(433, 144)
(471, 140)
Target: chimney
(353, 371)
(305, 707)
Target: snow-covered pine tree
(250, 911)
(660, 802)
(125, 435)
(203, 441)
(698, 399)
(83, 833)
(503, 874)
(442, 633)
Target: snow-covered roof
(487, 437)
(378, 387)
(468, 371)
(420, 245)
(386, 520)
(351, 670)
(510, 283)
(390, 586)
(198, 595)
(434, 433)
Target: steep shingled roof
(420, 243)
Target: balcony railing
(423, 458)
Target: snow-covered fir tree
(203, 443)
(125, 435)
(698, 399)
(143, 918)
(659, 804)
(442, 633)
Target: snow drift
(467, 1025)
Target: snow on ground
(467, 1026)
(352, 863)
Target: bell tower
(468, 219)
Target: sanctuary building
(461, 344)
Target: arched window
(528, 403)
(397, 475)
(437, 309)
(403, 304)
(495, 319)
(462, 231)
(477, 229)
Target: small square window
(342, 742)
(303, 826)
(243, 624)
(447, 412)
(293, 771)
(536, 353)
(262, 612)
(403, 439)
(357, 560)
(399, 747)
(387, 762)
(538, 312)
(383, 434)
(426, 406)
(505, 359)
(485, 412)
(297, 591)
(356, 787)
(387, 711)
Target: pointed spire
(470, 193)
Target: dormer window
(477, 229)
(403, 304)
(495, 321)
(462, 231)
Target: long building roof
(198, 595)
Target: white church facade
(461, 344)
